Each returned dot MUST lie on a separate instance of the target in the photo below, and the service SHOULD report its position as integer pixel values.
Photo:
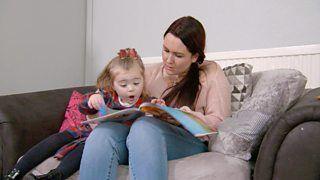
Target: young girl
(120, 86)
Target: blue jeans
(148, 144)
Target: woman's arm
(217, 98)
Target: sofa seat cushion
(210, 165)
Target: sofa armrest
(290, 148)
(26, 119)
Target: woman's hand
(96, 101)
(158, 101)
(185, 109)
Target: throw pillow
(240, 79)
(274, 91)
(72, 116)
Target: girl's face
(176, 57)
(128, 84)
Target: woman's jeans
(146, 146)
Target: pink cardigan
(214, 100)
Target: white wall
(230, 25)
(42, 44)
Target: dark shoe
(12, 175)
(51, 175)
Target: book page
(117, 116)
(159, 113)
(187, 120)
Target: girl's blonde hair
(126, 59)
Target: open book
(172, 115)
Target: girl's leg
(152, 142)
(41, 151)
(69, 164)
(104, 150)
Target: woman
(182, 80)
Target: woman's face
(175, 55)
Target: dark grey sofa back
(26, 119)
(291, 147)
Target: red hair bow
(128, 53)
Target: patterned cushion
(240, 79)
(72, 116)
(273, 93)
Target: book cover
(172, 115)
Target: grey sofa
(289, 150)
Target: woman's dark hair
(191, 32)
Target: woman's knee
(144, 129)
(106, 140)
(146, 124)
(108, 131)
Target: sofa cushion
(274, 91)
(240, 79)
(28, 118)
(72, 116)
(202, 166)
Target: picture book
(172, 115)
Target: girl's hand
(158, 101)
(93, 125)
(96, 101)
